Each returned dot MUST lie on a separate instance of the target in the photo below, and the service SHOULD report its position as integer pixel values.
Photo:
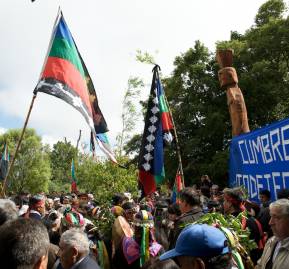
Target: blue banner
(260, 160)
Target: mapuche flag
(65, 76)
(178, 186)
(4, 162)
(157, 132)
(73, 178)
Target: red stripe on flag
(148, 182)
(179, 182)
(166, 121)
(67, 73)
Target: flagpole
(18, 145)
(177, 144)
(156, 68)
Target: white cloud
(2, 130)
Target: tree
(199, 109)
(61, 157)
(31, 170)
(270, 10)
(105, 179)
(130, 114)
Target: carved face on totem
(227, 76)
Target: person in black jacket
(191, 210)
(37, 207)
(74, 251)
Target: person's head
(83, 198)
(188, 199)
(8, 211)
(49, 204)
(56, 202)
(157, 264)
(205, 178)
(129, 210)
(143, 219)
(24, 243)
(160, 209)
(174, 212)
(214, 206)
(279, 222)
(284, 193)
(215, 189)
(201, 246)
(118, 199)
(37, 203)
(90, 197)
(66, 200)
(117, 211)
(71, 219)
(264, 196)
(73, 246)
(233, 200)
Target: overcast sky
(107, 34)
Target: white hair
(283, 204)
(77, 239)
(8, 210)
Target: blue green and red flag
(64, 75)
(73, 178)
(178, 186)
(157, 132)
(4, 162)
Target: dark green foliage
(104, 179)
(61, 157)
(31, 171)
(270, 10)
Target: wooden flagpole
(175, 132)
(18, 145)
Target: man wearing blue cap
(201, 246)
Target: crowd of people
(59, 231)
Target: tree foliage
(105, 179)
(61, 157)
(31, 171)
(271, 10)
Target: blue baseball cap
(199, 240)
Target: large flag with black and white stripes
(157, 132)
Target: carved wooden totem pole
(229, 80)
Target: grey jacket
(282, 259)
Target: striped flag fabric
(4, 162)
(157, 132)
(64, 75)
(178, 186)
(73, 178)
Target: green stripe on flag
(63, 49)
(163, 105)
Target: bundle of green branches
(238, 238)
